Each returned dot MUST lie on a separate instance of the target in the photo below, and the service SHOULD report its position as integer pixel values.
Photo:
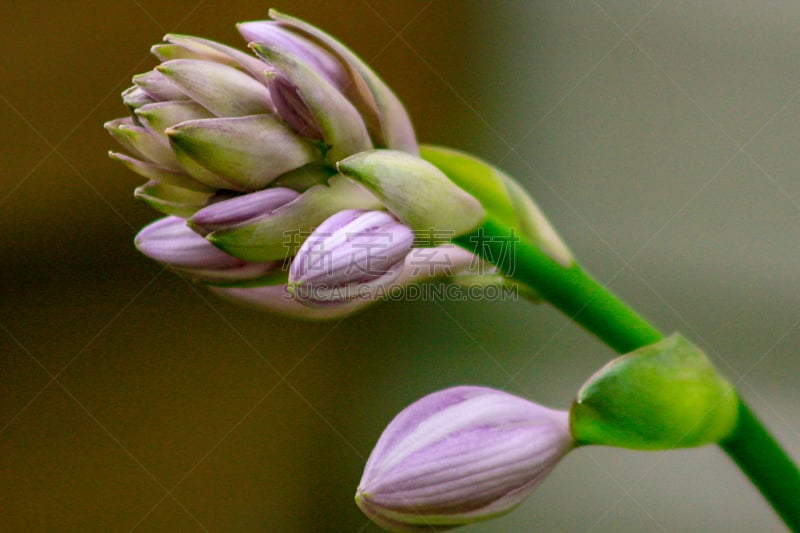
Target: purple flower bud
(240, 209)
(170, 241)
(351, 249)
(458, 456)
(271, 33)
(291, 108)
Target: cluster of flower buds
(290, 178)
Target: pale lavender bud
(382, 112)
(291, 108)
(271, 33)
(134, 97)
(170, 241)
(458, 456)
(349, 252)
(158, 87)
(240, 209)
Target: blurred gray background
(661, 138)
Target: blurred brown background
(661, 138)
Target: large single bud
(460, 455)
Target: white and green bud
(177, 201)
(662, 396)
(383, 113)
(279, 233)
(223, 90)
(305, 99)
(249, 152)
(417, 192)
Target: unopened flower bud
(240, 209)
(458, 456)
(351, 251)
(244, 149)
(171, 242)
(279, 233)
(662, 396)
(384, 115)
(414, 190)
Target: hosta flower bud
(383, 113)
(460, 455)
(241, 209)
(171, 242)
(277, 233)
(447, 261)
(349, 253)
(415, 190)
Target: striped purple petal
(460, 455)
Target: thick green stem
(584, 300)
(767, 465)
(570, 289)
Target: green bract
(414, 190)
(502, 197)
(662, 396)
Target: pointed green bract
(248, 151)
(502, 197)
(417, 192)
(162, 115)
(156, 173)
(199, 48)
(478, 178)
(662, 396)
(223, 90)
(172, 200)
(280, 234)
(140, 142)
